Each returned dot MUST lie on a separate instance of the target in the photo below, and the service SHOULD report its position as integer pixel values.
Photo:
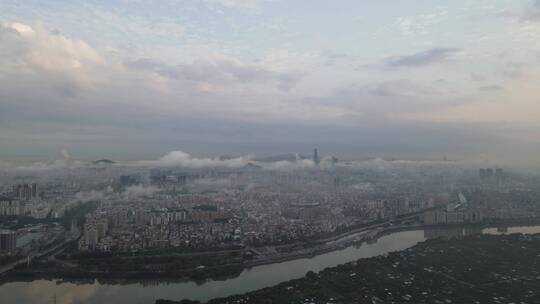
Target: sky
(130, 79)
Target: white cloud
(289, 166)
(243, 4)
(34, 54)
(48, 166)
(55, 52)
(93, 195)
(23, 29)
(183, 159)
(135, 191)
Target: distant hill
(252, 166)
(104, 162)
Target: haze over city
(138, 79)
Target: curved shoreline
(389, 230)
(134, 288)
(233, 270)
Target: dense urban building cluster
(118, 208)
(236, 219)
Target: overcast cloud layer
(135, 79)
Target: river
(49, 291)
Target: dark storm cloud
(424, 58)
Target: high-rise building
(34, 191)
(126, 181)
(102, 227)
(91, 235)
(11, 207)
(482, 173)
(8, 241)
(316, 156)
(499, 175)
(25, 192)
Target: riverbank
(430, 272)
(147, 290)
(376, 231)
(201, 274)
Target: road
(47, 251)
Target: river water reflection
(45, 291)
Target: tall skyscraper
(34, 191)
(316, 156)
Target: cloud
(65, 154)
(533, 12)
(491, 88)
(287, 81)
(210, 184)
(376, 103)
(478, 77)
(59, 164)
(429, 57)
(22, 29)
(92, 195)
(333, 58)
(39, 69)
(218, 72)
(183, 159)
(49, 52)
(422, 24)
(512, 70)
(45, 97)
(243, 4)
(59, 91)
(135, 191)
(289, 165)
